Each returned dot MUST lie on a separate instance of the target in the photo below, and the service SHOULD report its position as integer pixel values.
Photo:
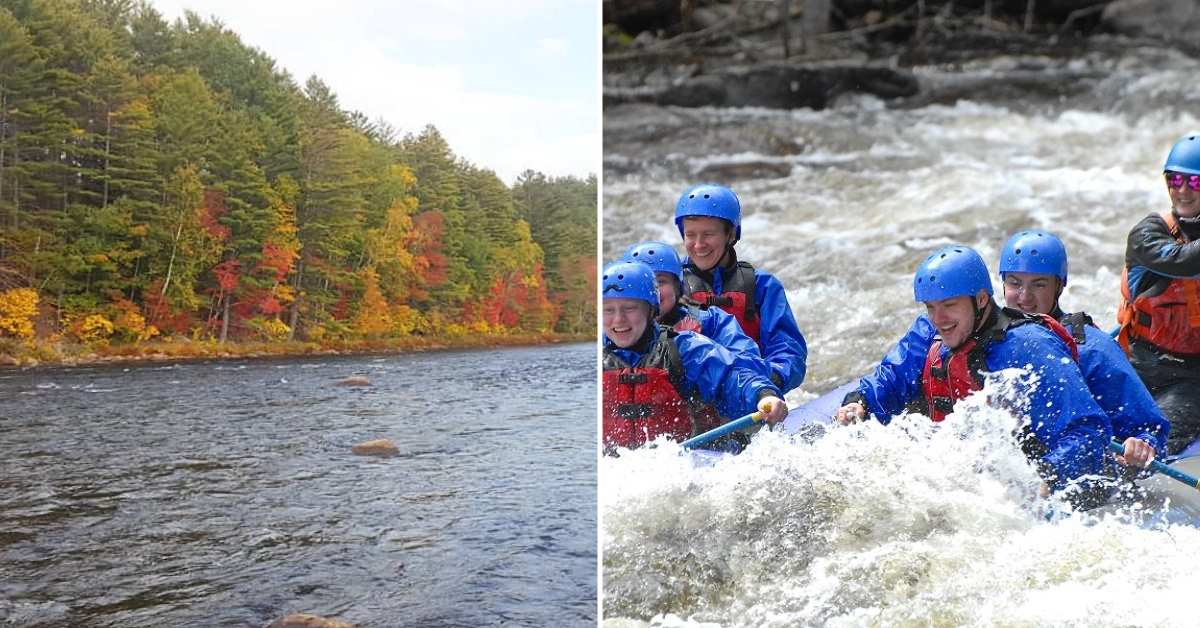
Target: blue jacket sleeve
(897, 379)
(709, 367)
(1120, 392)
(723, 328)
(1062, 413)
(779, 336)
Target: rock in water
(377, 447)
(304, 620)
(355, 380)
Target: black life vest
(1077, 323)
(1168, 320)
(737, 295)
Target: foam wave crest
(914, 523)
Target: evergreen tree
(172, 172)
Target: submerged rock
(304, 620)
(377, 447)
(355, 380)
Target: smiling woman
(1160, 314)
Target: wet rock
(997, 84)
(377, 447)
(634, 16)
(1176, 20)
(355, 380)
(749, 169)
(706, 17)
(637, 137)
(774, 86)
(304, 620)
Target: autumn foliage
(168, 180)
(18, 307)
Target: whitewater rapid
(901, 525)
(910, 524)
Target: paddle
(716, 433)
(1174, 474)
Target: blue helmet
(1037, 252)
(658, 255)
(631, 280)
(1184, 156)
(951, 271)
(714, 201)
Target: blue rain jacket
(1064, 416)
(712, 372)
(1120, 392)
(724, 329)
(1110, 378)
(779, 338)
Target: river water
(860, 528)
(225, 493)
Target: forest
(167, 183)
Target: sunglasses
(1175, 180)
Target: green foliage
(159, 177)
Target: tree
(19, 69)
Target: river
(862, 531)
(224, 493)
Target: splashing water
(914, 523)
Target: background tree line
(166, 178)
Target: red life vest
(687, 323)
(944, 384)
(737, 295)
(1169, 320)
(644, 401)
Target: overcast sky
(511, 85)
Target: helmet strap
(981, 314)
(728, 258)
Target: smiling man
(1033, 265)
(1160, 297)
(1067, 431)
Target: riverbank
(735, 54)
(16, 354)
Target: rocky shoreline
(167, 352)
(737, 58)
